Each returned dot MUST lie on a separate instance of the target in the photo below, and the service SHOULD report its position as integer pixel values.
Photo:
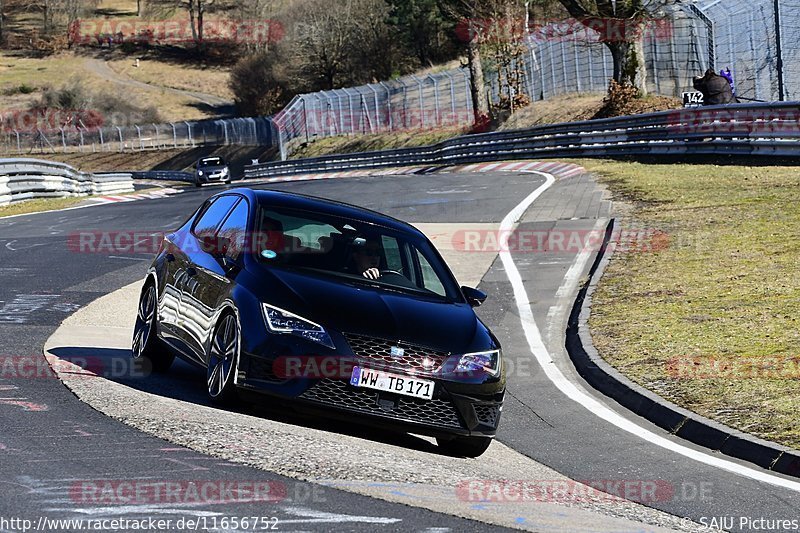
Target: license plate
(384, 381)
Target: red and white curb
(152, 195)
(560, 170)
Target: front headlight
(225, 171)
(488, 362)
(282, 321)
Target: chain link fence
(757, 40)
(177, 135)
(433, 101)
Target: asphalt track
(50, 440)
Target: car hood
(357, 308)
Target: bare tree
(340, 43)
(628, 19)
(471, 15)
(196, 9)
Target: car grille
(487, 414)
(339, 393)
(414, 359)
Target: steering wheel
(391, 272)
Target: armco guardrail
(160, 175)
(742, 129)
(25, 179)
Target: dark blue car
(329, 306)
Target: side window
(208, 222)
(430, 280)
(235, 229)
(392, 251)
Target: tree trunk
(629, 65)
(192, 20)
(477, 85)
(200, 16)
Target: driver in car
(367, 259)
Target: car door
(174, 273)
(194, 318)
(216, 276)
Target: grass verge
(377, 141)
(709, 321)
(38, 205)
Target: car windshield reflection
(360, 253)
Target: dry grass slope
(723, 292)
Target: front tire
(222, 361)
(146, 347)
(464, 446)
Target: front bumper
(446, 414)
(211, 178)
(457, 408)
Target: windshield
(211, 162)
(351, 250)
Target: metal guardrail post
(467, 91)
(305, 116)
(405, 106)
(436, 100)
(174, 135)
(375, 99)
(531, 61)
(121, 145)
(779, 51)
(189, 132)
(389, 119)
(453, 116)
(709, 24)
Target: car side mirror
(474, 296)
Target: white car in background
(210, 170)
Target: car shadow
(187, 383)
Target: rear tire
(464, 446)
(222, 360)
(146, 348)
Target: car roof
(292, 200)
